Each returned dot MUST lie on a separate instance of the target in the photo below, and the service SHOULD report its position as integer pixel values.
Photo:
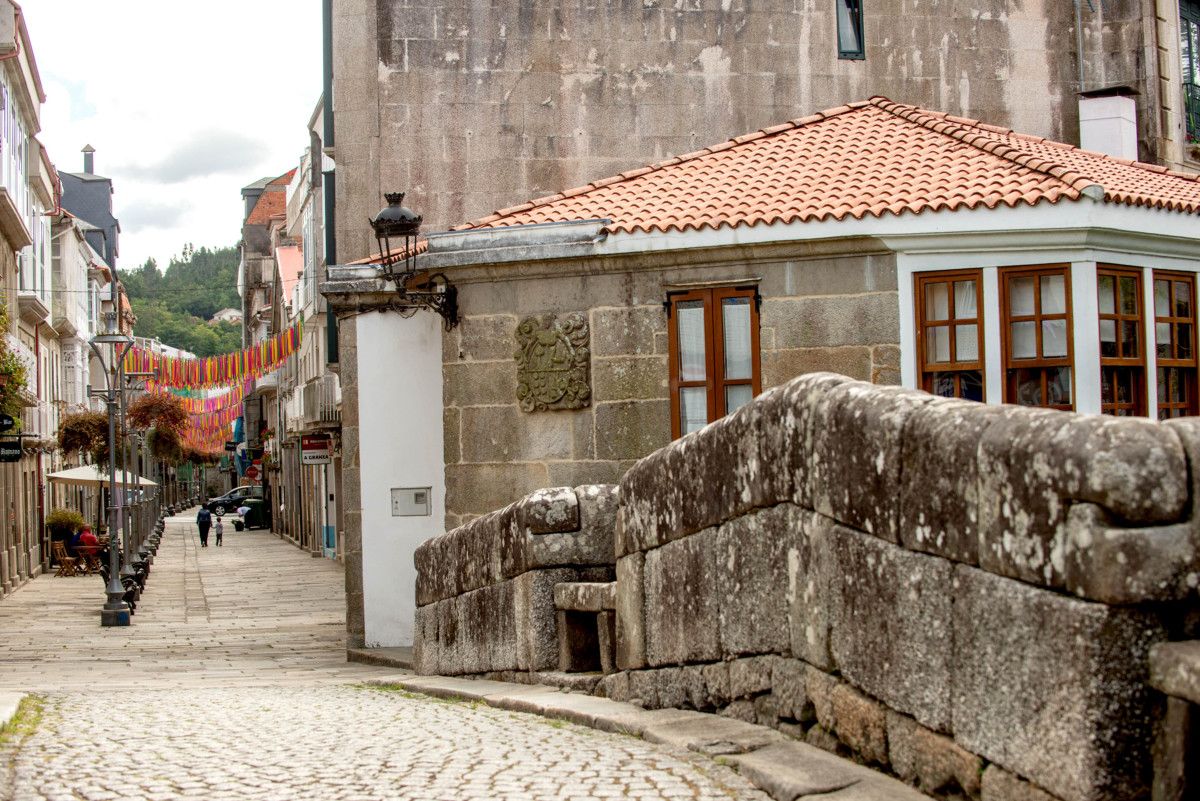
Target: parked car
(230, 501)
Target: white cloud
(184, 103)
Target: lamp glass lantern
(397, 227)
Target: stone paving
(232, 684)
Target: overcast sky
(185, 103)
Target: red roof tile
(868, 158)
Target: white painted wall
(400, 445)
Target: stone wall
(963, 595)
(485, 591)
(477, 106)
(833, 312)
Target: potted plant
(63, 523)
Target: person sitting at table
(88, 545)
(73, 543)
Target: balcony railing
(322, 402)
(1192, 110)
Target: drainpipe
(329, 184)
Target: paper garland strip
(213, 371)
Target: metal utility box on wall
(410, 501)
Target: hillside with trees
(175, 305)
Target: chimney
(89, 164)
(1108, 121)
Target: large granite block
(1108, 562)
(857, 431)
(752, 582)
(891, 616)
(536, 628)
(1034, 464)
(1053, 688)
(756, 457)
(810, 571)
(939, 490)
(631, 612)
(426, 648)
(682, 601)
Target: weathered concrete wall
(963, 595)
(833, 312)
(476, 106)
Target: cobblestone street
(232, 684)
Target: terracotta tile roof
(870, 158)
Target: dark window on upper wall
(850, 29)
(1189, 50)
(714, 361)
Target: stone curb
(400, 658)
(9, 703)
(783, 768)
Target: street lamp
(115, 611)
(127, 570)
(397, 224)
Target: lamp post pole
(115, 611)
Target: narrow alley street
(232, 684)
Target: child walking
(219, 529)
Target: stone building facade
(598, 324)
(475, 106)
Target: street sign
(6, 422)
(315, 449)
(10, 449)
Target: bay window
(714, 354)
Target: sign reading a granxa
(315, 449)
(553, 363)
(10, 449)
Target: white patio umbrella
(89, 475)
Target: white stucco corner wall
(400, 445)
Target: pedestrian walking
(219, 530)
(204, 523)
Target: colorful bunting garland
(213, 371)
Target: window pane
(693, 409)
(966, 342)
(1107, 294)
(735, 318)
(937, 302)
(1020, 297)
(691, 340)
(971, 382)
(937, 344)
(1162, 298)
(1108, 338)
(1058, 386)
(1054, 294)
(1183, 300)
(737, 395)
(1054, 338)
(1162, 336)
(1128, 295)
(1024, 340)
(1029, 387)
(964, 299)
(1129, 339)
(942, 385)
(849, 16)
(1183, 341)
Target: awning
(90, 475)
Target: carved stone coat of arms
(553, 363)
